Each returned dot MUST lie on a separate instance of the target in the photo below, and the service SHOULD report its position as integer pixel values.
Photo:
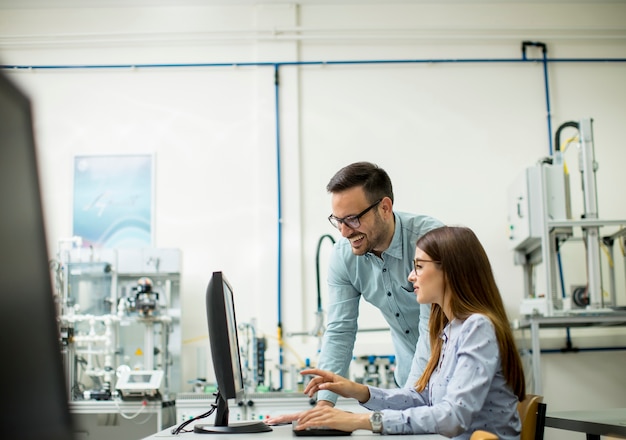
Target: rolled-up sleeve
(340, 334)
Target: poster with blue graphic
(113, 200)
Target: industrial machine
(540, 222)
(119, 314)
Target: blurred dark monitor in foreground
(32, 380)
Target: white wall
(452, 135)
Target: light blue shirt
(379, 281)
(466, 392)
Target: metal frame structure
(540, 222)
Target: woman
(474, 378)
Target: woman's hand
(329, 417)
(288, 418)
(282, 419)
(325, 380)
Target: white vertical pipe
(148, 353)
(587, 166)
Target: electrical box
(524, 210)
(540, 192)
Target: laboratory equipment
(139, 384)
(540, 222)
(119, 311)
(378, 370)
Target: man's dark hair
(374, 180)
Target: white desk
(594, 423)
(279, 432)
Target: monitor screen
(32, 378)
(222, 323)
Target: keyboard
(317, 431)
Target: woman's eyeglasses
(419, 267)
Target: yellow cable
(567, 142)
(608, 255)
(564, 146)
(194, 340)
(287, 346)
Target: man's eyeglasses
(352, 221)
(419, 267)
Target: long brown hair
(469, 279)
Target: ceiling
(47, 4)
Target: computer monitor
(220, 309)
(32, 381)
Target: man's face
(370, 234)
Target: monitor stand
(221, 425)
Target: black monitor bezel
(224, 341)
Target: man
(372, 261)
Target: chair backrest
(532, 412)
(483, 435)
